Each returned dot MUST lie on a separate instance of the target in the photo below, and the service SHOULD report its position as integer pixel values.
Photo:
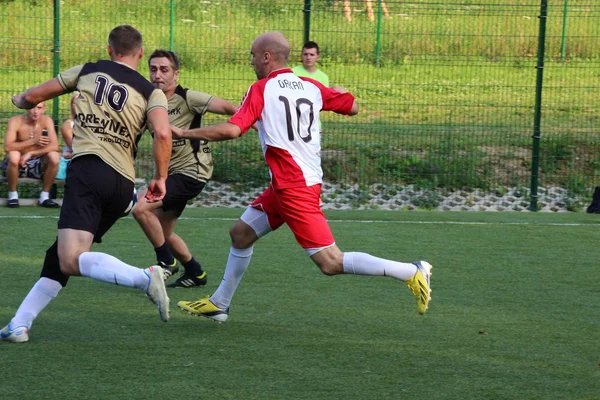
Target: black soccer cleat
(169, 270)
(189, 281)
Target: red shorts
(299, 209)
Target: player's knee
(329, 268)
(238, 240)
(242, 236)
(329, 261)
(69, 267)
(138, 212)
(142, 210)
(69, 263)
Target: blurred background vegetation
(447, 90)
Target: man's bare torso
(28, 129)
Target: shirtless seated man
(31, 147)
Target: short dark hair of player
(311, 45)
(125, 40)
(171, 56)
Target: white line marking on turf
(355, 221)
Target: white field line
(352, 221)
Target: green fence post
(379, 28)
(172, 26)
(56, 57)
(537, 120)
(563, 42)
(306, 12)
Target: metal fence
(464, 104)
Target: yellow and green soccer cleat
(420, 285)
(205, 308)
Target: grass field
(514, 315)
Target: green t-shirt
(319, 76)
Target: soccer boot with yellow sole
(205, 308)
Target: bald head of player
(269, 51)
(125, 45)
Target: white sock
(366, 264)
(13, 195)
(237, 263)
(41, 294)
(44, 196)
(106, 268)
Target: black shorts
(95, 196)
(180, 189)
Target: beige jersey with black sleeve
(110, 113)
(190, 157)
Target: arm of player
(213, 133)
(354, 109)
(220, 106)
(35, 95)
(161, 150)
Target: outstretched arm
(354, 109)
(35, 95)
(213, 133)
(220, 106)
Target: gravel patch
(407, 198)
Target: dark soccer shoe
(48, 203)
(593, 209)
(12, 203)
(189, 281)
(169, 270)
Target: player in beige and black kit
(190, 167)
(111, 113)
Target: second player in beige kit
(190, 167)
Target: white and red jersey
(286, 109)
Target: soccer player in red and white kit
(286, 110)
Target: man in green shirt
(310, 56)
